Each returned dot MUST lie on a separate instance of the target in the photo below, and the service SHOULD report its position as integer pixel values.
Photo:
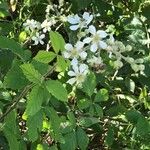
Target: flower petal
(89, 19)
(42, 36)
(83, 68)
(79, 45)
(83, 55)
(94, 47)
(102, 33)
(74, 27)
(75, 68)
(68, 47)
(87, 40)
(102, 44)
(41, 42)
(73, 19)
(71, 81)
(66, 54)
(71, 73)
(92, 29)
(85, 15)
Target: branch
(23, 94)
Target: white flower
(63, 18)
(78, 22)
(78, 73)
(118, 64)
(46, 25)
(76, 51)
(95, 61)
(31, 25)
(38, 38)
(48, 8)
(96, 39)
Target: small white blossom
(95, 61)
(48, 8)
(96, 39)
(38, 38)
(78, 73)
(46, 25)
(31, 25)
(76, 51)
(78, 22)
(63, 18)
(118, 64)
(137, 67)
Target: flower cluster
(117, 49)
(37, 30)
(87, 52)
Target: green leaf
(89, 84)
(77, 5)
(42, 68)
(36, 97)
(142, 126)
(55, 124)
(72, 118)
(57, 90)
(70, 142)
(82, 138)
(57, 41)
(31, 73)
(39, 147)
(145, 9)
(10, 131)
(44, 56)
(53, 148)
(6, 28)
(15, 79)
(133, 116)
(110, 136)
(98, 111)
(4, 9)
(115, 110)
(102, 95)
(10, 44)
(6, 59)
(34, 124)
(84, 103)
(22, 36)
(62, 64)
(88, 121)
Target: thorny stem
(23, 94)
(16, 100)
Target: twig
(23, 94)
(16, 100)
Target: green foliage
(40, 110)
(110, 136)
(57, 41)
(45, 57)
(34, 124)
(31, 73)
(89, 84)
(14, 78)
(11, 131)
(10, 44)
(102, 95)
(57, 90)
(82, 139)
(35, 99)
